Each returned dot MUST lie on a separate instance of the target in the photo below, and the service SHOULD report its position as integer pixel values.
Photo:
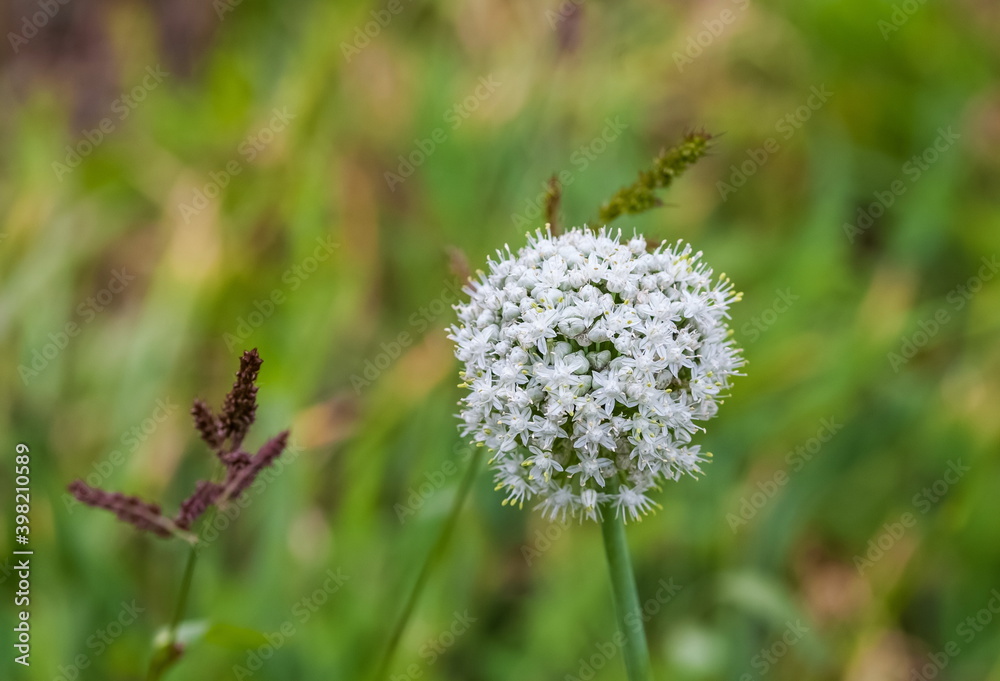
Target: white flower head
(589, 360)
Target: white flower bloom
(588, 362)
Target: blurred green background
(180, 181)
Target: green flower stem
(425, 571)
(182, 597)
(626, 597)
(166, 655)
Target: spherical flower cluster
(588, 361)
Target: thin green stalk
(430, 562)
(166, 655)
(626, 597)
(182, 597)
